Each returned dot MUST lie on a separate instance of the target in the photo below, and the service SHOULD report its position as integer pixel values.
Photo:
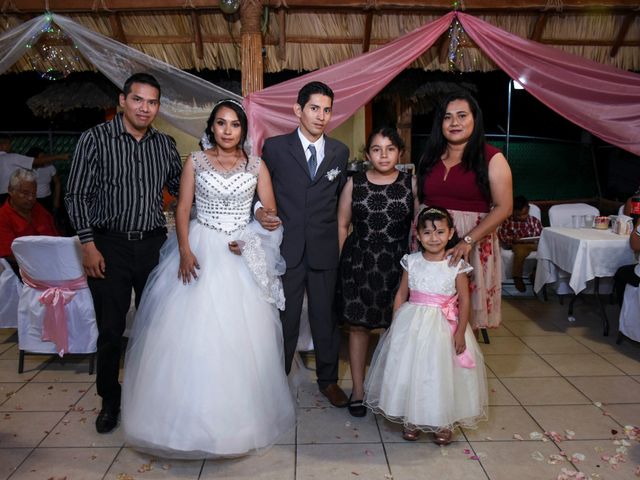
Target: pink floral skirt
(485, 281)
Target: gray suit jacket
(308, 208)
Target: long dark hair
(242, 117)
(431, 214)
(473, 158)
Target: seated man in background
(518, 233)
(21, 214)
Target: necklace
(226, 170)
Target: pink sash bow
(449, 306)
(54, 297)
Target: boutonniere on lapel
(332, 174)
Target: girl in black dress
(379, 204)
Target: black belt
(133, 235)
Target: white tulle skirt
(204, 369)
(414, 378)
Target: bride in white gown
(204, 370)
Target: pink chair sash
(449, 306)
(54, 297)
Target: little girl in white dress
(428, 372)
(204, 370)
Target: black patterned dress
(370, 268)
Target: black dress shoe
(356, 408)
(107, 420)
(335, 395)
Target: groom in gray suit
(308, 172)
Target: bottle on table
(635, 206)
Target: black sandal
(356, 408)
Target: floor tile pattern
(546, 374)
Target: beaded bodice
(224, 198)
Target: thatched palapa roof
(310, 34)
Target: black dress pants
(127, 265)
(320, 287)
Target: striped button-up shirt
(116, 182)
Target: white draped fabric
(186, 99)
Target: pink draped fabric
(54, 297)
(449, 306)
(599, 98)
(354, 82)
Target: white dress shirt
(319, 144)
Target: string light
(457, 43)
(47, 55)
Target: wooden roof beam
(470, 5)
(366, 40)
(445, 5)
(442, 44)
(443, 48)
(195, 21)
(116, 27)
(624, 28)
(282, 38)
(60, 6)
(538, 28)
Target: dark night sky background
(529, 117)
(619, 171)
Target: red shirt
(459, 191)
(14, 225)
(512, 230)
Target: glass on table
(588, 221)
(577, 221)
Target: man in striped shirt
(114, 199)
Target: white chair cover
(560, 215)
(507, 255)
(630, 313)
(10, 287)
(53, 259)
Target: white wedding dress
(204, 369)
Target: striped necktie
(313, 161)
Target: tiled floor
(546, 374)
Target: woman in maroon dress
(472, 180)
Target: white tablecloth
(585, 253)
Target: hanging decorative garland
(456, 54)
(458, 41)
(52, 52)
